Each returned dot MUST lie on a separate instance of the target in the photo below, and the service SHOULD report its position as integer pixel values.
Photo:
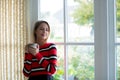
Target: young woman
(40, 61)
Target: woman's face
(42, 31)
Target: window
(91, 42)
(72, 29)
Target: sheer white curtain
(13, 37)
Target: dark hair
(37, 24)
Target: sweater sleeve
(49, 62)
(27, 64)
(52, 61)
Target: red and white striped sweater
(44, 62)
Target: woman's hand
(32, 48)
(33, 51)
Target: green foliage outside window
(118, 17)
(84, 14)
(80, 65)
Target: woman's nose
(44, 30)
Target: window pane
(80, 21)
(52, 11)
(118, 37)
(118, 21)
(60, 68)
(118, 62)
(81, 62)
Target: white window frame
(104, 42)
(105, 22)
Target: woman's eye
(46, 29)
(41, 29)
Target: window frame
(104, 37)
(105, 23)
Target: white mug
(33, 45)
